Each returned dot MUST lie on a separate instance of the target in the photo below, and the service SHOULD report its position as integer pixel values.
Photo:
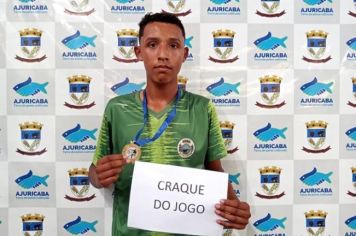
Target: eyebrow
(158, 39)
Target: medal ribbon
(170, 117)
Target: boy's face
(162, 52)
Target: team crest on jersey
(316, 46)
(182, 82)
(31, 139)
(268, 43)
(223, 41)
(227, 130)
(77, 136)
(127, 87)
(270, 180)
(79, 86)
(79, 226)
(29, 182)
(30, 45)
(224, 93)
(127, 39)
(270, 139)
(79, 185)
(316, 93)
(79, 47)
(268, 223)
(351, 13)
(32, 224)
(315, 222)
(221, 7)
(351, 133)
(270, 7)
(30, 92)
(270, 90)
(317, 8)
(313, 179)
(176, 7)
(29, 7)
(79, 8)
(353, 104)
(352, 193)
(127, 7)
(316, 136)
(185, 147)
(351, 56)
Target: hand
(235, 213)
(109, 168)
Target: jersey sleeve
(104, 144)
(216, 146)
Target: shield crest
(79, 88)
(270, 179)
(31, 135)
(176, 5)
(127, 39)
(316, 43)
(223, 43)
(316, 136)
(354, 176)
(79, 182)
(315, 222)
(30, 42)
(354, 87)
(79, 5)
(32, 225)
(270, 89)
(227, 132)
(270, 6)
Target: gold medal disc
(131, 152)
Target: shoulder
(196, 99)
(123, 100)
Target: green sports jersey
(192, 139)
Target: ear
(186, 53)
(138, 53)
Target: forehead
(162, 30)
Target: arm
(235, 212)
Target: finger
(236, 219)
(109, 173)
(235, 203)
(231, 225)
(109, 165)
(107, 182)
(109, 158)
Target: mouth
(163, 67)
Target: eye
(151, 44)
(174, 45)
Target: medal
(131, 152)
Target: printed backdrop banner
(281, 73)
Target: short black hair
(159, 17)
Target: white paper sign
(175, 199)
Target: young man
(162, 125)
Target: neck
(158, 97)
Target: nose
(162, 53)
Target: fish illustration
(187, 42)
(222, 1)
(125, 87)
(351, 222)
(315, 178)
(316, 2)
(221, 88)
(351, 133)
(234, 178)
(314, 87)
(352, 43)
(269, 224)
(77, 134)
(126, 1)
(28, 87)
(269, 134)
(26, 1)
(29, 180)
(76, 41)
(269, 42)
(78, 226)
